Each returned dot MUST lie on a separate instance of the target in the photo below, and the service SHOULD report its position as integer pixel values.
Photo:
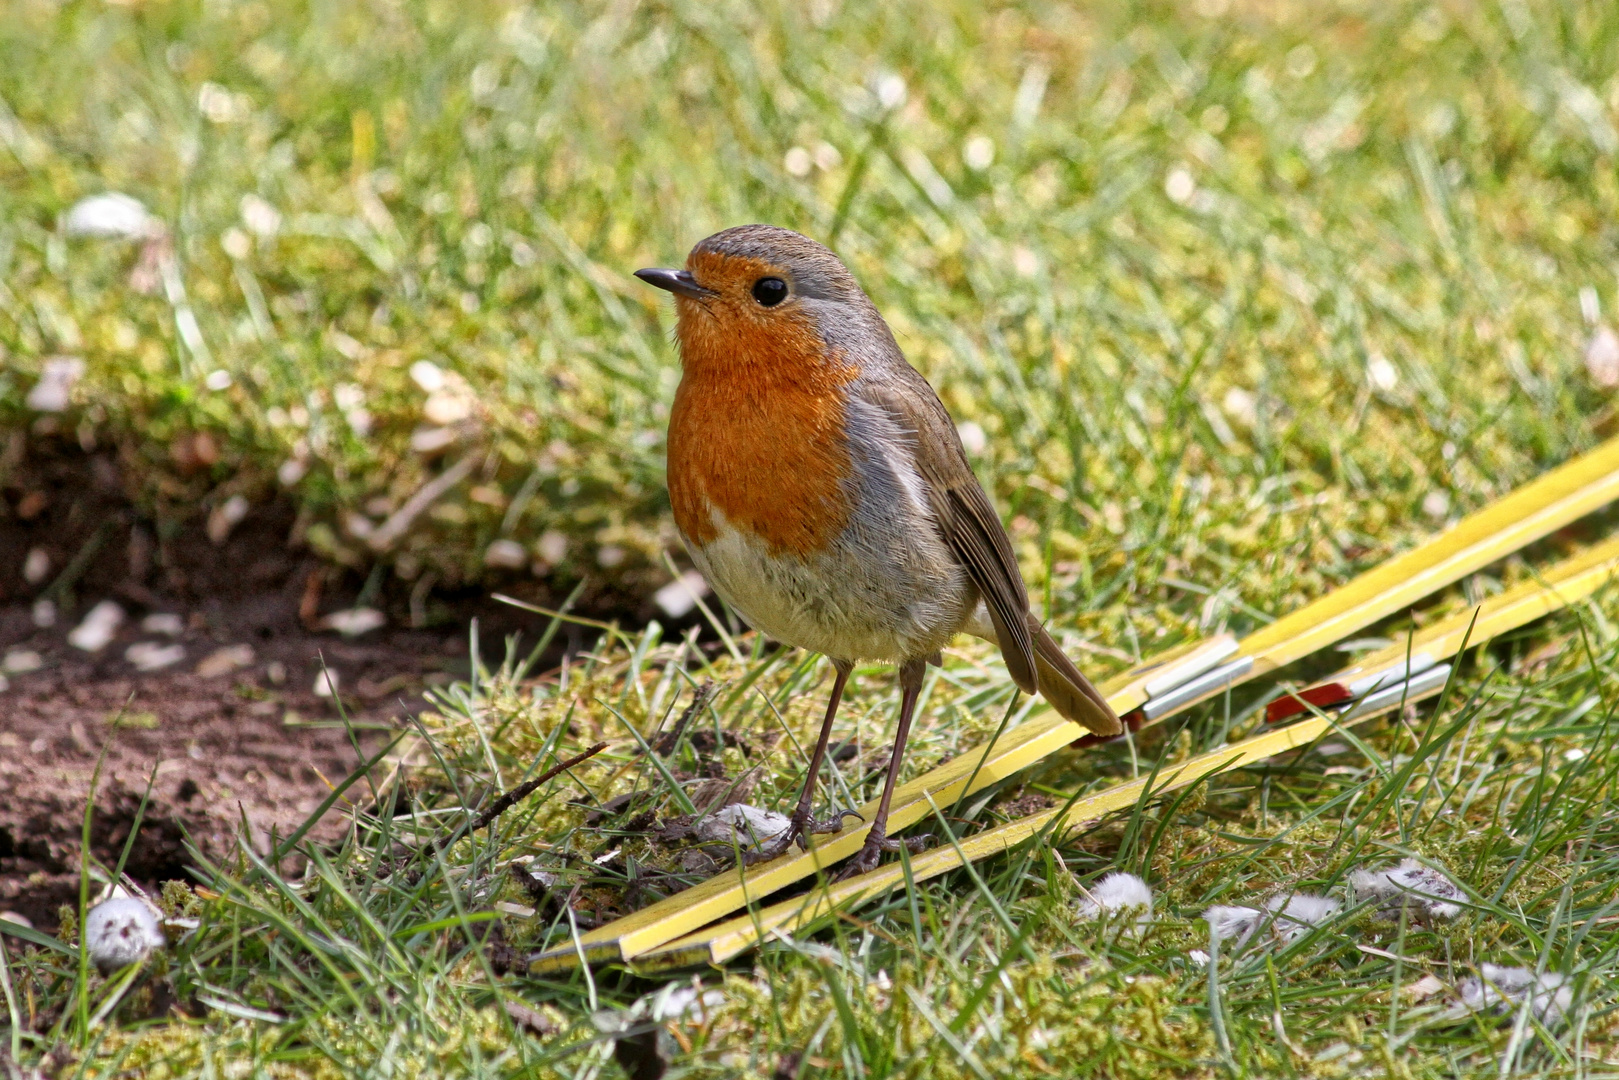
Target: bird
(821, 488)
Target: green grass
(1242, 302)
(470, 184)
(363, 957)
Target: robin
(822, 490)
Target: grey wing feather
(987, 554)
(967, 519)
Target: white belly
(883, 603)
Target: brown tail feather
(1068, 690)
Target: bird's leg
(877, 841)
(802, 822)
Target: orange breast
(757, 433)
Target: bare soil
(228, 741)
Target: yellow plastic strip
(1561, 496)
(1558, 587)
(1540, 507)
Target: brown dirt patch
(253, 741)
(223, 749)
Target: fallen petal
(110, 216)
(99, 625)
(154, 655)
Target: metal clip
(1406, 690)
(1203, 684)
(1182, 671)
(1400, 672)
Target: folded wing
(973, 530)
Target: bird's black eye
(770, 291)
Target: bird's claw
(832, 824)
(872, 853)
(798, 827)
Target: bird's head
(763, 295)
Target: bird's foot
(798, 827)
(877, 842)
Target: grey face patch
(805, 283)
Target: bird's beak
(679, 282)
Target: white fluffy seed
(225, 517)
(1118, 892)
(426, 440)
(979, 153)
(21, 662)
(352, 622)
(153, 655)
(237, 244)
(111, 215)
(680, 1002)
(1602, 358)
(44, 614)
(121, 931)
(891, 91)
(1297, 913)
(1499, 989)
(1288, 916)
(446, 407)
(678, 597)
(1179, 185)
(427, 375)
(1233, 923)
(552, 546)
(53, 393)
(163, 622)
(36, 565)
(259, 216)
(1241, 405)
(507, 554)
(224, 660)
(291, 471)
(1409, 884)
(973, 437)
(1381, 373)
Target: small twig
(309, 603)
(70, 575)
(418, 599)
(705, 694)
(531, 1020)
(396, 526)
(563, 615)
(516, 795)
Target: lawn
(1231, 300)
